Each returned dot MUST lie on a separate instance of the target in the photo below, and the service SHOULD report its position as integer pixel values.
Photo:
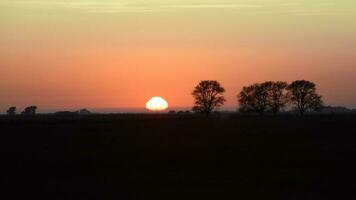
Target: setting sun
(157, 104)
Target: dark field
(178, 157)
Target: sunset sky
(117, 54)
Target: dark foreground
(178, 157)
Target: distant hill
(70, 113)
(66, 113)
(336, 109)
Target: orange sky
(69, 60)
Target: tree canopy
(208, 96)
(302, 94)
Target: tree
(277, 96)
(208, 96)
(303, 95)
(31, 110)
(84, 112)
(11, 111)
(254, 98)
(262, 97)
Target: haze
(119, 54)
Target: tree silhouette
(303, 95)
(254, 98)
(208, 96)
(31, 110)
(84, 112)
(11, 111)
(262, 97)
(277, 96)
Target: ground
(178, 157)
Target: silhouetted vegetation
(302, 94)
(336, 110)
(254, 98)
(274, 96)
(11, 111)
(31, 110)
(263, 97)
(208, 96)
(84, 112)
(178, 157)
(259, 98)
(66, 113)
(277, 97)
(75, 155)
(73, 113)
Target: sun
(157, 104)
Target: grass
(178, 157)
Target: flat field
(178, 157)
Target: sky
(71, 54)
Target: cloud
(124, 6)
(86, 6)
(318, 13)
(127, 6)
(212, 6)
(108, 7)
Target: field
(178, 157)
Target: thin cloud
(315, 12)
(121, 10)
(88, 6)
(273, 6)
(320, 13)
(211, 6)
(111, 7)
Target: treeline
(30, 110)
(266, 97)
(261, 98)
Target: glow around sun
(157, 104)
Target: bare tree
(208, 96)
(11, 111)
(31, 110)
(303, 95)
(254, 98)
(277, 96)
